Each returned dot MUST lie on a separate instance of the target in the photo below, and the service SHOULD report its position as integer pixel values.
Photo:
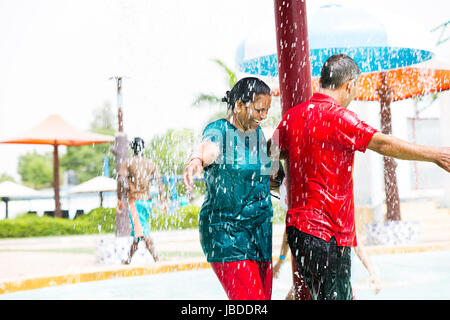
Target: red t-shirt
(321, 138)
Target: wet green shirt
(235, 219)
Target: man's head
(340, 75)
(137, 145)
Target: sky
(56, 57)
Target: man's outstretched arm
(396, 148)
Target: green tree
(210, 99)
(104, 120)
(171, 150)
(36, 170)
(230, 79)
(6, 177)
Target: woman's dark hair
(245, 90)
(337, 70)
(137, 145)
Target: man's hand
(165, 207)
(393, 147)
(443, 159)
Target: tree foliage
(210, 99)
(171, 150)
(36, 170)
(6, 177)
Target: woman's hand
(206, 154)
(193, 169)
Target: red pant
(246, 279)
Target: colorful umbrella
(337, 29)
(55, 131)
(389, 64)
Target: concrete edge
(51, 281)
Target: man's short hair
(137, 145)
(337, 70)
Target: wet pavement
(54, 260)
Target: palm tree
(208, 99)
(231, 79)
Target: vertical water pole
(120, 150)
(294, 74)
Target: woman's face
(252, 113)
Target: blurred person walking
(138, 173)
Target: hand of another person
(276, 269)
(375, 283)
(120, 206)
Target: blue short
(144, 209)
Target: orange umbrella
(405, 83)
(55, 131)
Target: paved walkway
(37, 262)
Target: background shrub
(102, 220)
(99, 220)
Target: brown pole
(56, 181)
(294, 75)
(120, 150)
(6, 200)
(390, 178)
(119, 103)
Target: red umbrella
(55, 131)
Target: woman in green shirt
(235, 220)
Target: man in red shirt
(320, 138)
